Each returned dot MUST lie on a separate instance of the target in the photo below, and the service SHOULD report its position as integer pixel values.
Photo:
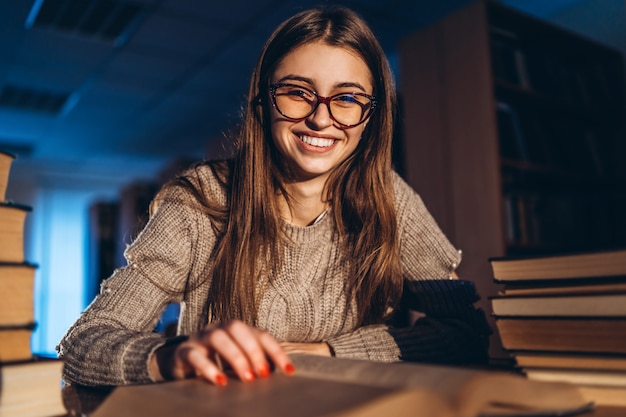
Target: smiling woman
(315, 134)
(306, 241)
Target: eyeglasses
(297, 103)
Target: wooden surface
(86, 400)
(325, 387)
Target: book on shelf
(132, 214)
(612, 304)
(606, 81)
(591, 377)
(12, 219)
(31, 388)
(510, 133)
(549, 218)
(15, 342)
(582, 334)
(17, 282)
(545, 70)
(562, 318)
(103, 233)
(530, 131)
(576, 149)
(576, 360)
(519, 220)
(6, 159)
(569, 266)
(508, 59)
(350, 388)
(598, 286)
(585, 370)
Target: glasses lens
(295, 102)
(350, 109)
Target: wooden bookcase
(512, 136)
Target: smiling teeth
(317, 141)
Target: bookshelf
(103, 244)
(512, 134)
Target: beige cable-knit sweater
(111, 342)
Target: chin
(307, 172)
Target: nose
(320, 118)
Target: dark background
(110, 90)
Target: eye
(346, 98)
(349, 100)
(296, 92)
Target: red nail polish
(248, 376)
(289, 369)
(221, 380)
(264, 371)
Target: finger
(247, 338)
(194, 358)
(276, 353)
(222, 342)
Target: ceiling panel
(175, 37)
(225, 13)
(133, 69)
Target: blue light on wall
(59, 220)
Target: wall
(55, 239)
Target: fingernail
(264, 371)
(248, 376)
(289, 369)
(221, 380)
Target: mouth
(318, 142)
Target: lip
(312, 148)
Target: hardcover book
(561, 305)
(12, 218)
(610, 263)
(592, 335)
(15, 342)
(17, 281)
(31, 388)
(6, 159)
(350, 388)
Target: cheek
(274, 123)
(356, 133)
(280, 130)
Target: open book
(333, 387)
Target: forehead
(324, 65)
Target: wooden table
(83, 401)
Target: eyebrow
(310, 82)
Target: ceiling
(116, 88)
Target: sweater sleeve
(425, 252)
(113, 339)
(450, 329)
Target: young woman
(302, 243)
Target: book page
(276, 396)
(469, 392)
(332, 387)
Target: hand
(244, 348)
(321, 349)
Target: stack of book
(563, 318)
(30, 385)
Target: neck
(306, 201)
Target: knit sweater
(171, 262)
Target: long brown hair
(359, 191)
